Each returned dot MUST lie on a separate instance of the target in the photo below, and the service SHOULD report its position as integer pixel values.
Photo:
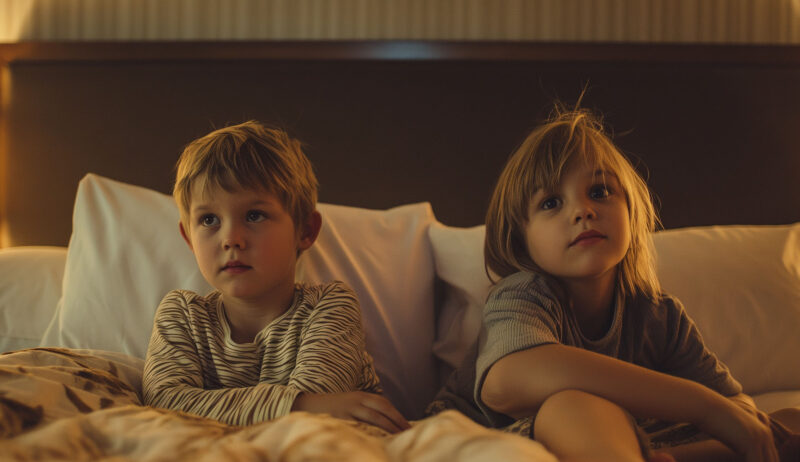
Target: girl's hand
(743, 428)
(355, 405)
(780, 432)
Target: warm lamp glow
(14, 17)
(5, 240)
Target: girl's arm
(520, 382)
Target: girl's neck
(592, 302)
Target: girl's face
(580, 230)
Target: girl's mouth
(588, 237)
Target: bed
(407, 139)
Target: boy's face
(245, 243)
(581, 230)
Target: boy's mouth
(588, 236)
(235, 266)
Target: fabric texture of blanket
(62, 404)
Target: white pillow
(458, 256)
(30, 286)
(125, 253)
(385, 256)
(741, 285)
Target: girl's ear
(185, 235)
(310, 231)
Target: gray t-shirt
(523, 312)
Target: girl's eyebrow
(542, 192)
(604, 173)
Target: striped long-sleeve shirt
(316, 346)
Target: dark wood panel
(388, 50)
(718, 138)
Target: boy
(260, 345)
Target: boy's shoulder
(187, 300)
(191, 296)
(320, 291)
(326, 295)
(330, 300)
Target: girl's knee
(575, 401)
(571, 406)
(577, 424)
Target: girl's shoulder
(525, 279)
(664, 307)
(663, 301)
(527, 284)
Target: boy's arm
(520, 382)
(333, 368)
(173, 376)
(331, 355)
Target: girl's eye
(254, 216)
(550, 203)
(599, 191)
(209, 220)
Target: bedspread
(60, 404)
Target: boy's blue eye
(254, 216)
(599, 191)
(209, 220)
(550, 203)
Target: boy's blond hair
(540, 163)
(248, 155)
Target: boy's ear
(185, 235)
(310, 231)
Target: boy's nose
(234, 239)
(231, 243)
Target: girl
(577, 336)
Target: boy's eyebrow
(199, 208)
(260, 202)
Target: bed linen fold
(62, 404)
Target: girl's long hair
(540, 163)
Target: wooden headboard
(715, 128)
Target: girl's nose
(584, 212)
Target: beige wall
(709, 21)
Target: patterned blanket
(62, 404)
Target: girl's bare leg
(578, 426)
